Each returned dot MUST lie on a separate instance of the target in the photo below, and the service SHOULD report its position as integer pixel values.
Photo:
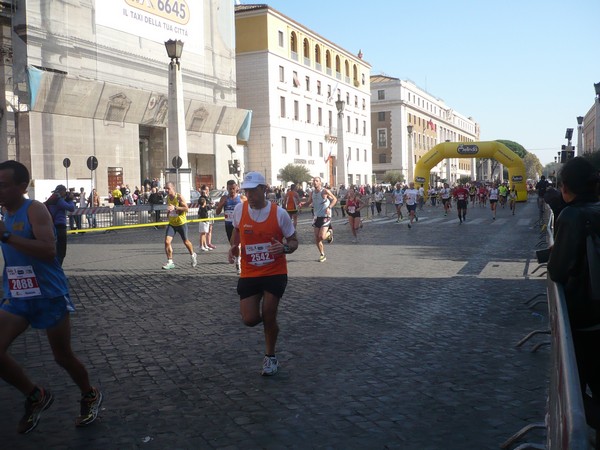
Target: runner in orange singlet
(292, 200)
(265, 227)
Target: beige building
(591, 128)
(291, 77)
(396, 106)
(90, 78)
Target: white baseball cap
(252, 180)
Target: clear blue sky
(523, 69)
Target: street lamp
(177, 137)
(410, 174)
(580, 150)
(341, 163)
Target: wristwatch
(5, 236)
(286, 248)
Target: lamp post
(341, 162)
(580, 150)
(596, 145)
(177, 138)
(410, 174)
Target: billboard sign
(156, 20)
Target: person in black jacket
(568, 265)
(156, 198)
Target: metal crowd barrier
(566, 426)
(107, 218)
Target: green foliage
(295, 173)
(515, 147)
(533, 166)
(464, 179)
(393, 177)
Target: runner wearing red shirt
(461, 194)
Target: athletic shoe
(89, 408)
(204, 249)
(330, 236)
(194, 259)
(270, 366)
(169, 266)
(210, 246)
(409, 226)
(416, 218)
(322, 258)
(33, 410)
(354, 241)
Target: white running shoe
(194, 260)
(169, 266)
(270, 366)
(204, 249)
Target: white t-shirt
(260, 215)
(493, 194)
(411, 196)
(398, 196)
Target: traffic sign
(177, 162)
(66, 163)
(92, 163)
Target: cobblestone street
(405, 340)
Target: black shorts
(493, 201)
(410, 208)
(274, 284)
(229, 230)
(321, 222)
(461, 204)
(445, 200)
(182, 230)
(354, 214)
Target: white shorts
(204, 227)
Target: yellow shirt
(176, 218)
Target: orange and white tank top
(255, 240)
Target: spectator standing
(58, 204)
(568, 265)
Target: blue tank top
(230, 206)
(25, 276)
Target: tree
(515, 147)
(464, 179)
(393, 176)
(533, 166)
(295, 173)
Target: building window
(364, 104)
(282, 106)
(348, 124)
(330, 124)
(356, 126)
(348, 98)
(320, 116)
(349, 153)
(295, 79)
(280, 34)
(382, 158)
(297, 146)
(309, 148)
(364, 127)
(308, 114)
(320, 149)
(283, 145)
(356, 101)
(296, 110)
(328, 91)
(381, 116)
(365, 154)
(281, 74)
(381, 94)
(308, 83)
(358, 154)
(381, 138)
(294, 46)
(318, 87)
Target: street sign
(177, 162)
(66, 163)
(173, 170)
(92, 163)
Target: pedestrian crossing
(428, 220)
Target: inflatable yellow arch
(487, 149)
